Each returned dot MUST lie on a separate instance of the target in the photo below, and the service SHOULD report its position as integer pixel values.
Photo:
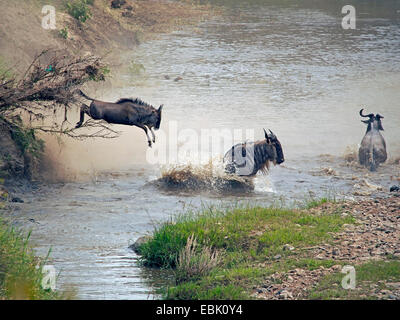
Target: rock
(337, 267)
(139, 242)
(17, 200)
(395, 285)
(288, 247)
(284, 294)
(277, 257)
(116, 4)
(394, 188)
(127, 14)
(299, 271)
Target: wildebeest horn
(366, 116)
(272, 134)
(266, 135)
(160, 108)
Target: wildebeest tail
(84, 95)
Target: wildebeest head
(374, 121)
(272, 139)
(378, 118)
(158, 121)
(246, 159)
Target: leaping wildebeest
(132, 112)
(372, 151)
(246, 159)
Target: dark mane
(262, 158)
(135, 101)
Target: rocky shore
(374, 237)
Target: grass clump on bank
(20, 278)
(79, 9)
(192, 263)
(252, 243)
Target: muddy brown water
(288, 67)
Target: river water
(287, 66)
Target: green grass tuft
(79, 9)
(197, 291)
(316, 203)
(20, 270)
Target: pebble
(394, 188)
(284, 294)
(288, 247)
(17, 200)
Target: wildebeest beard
(157, 126)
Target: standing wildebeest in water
(246, 159)
(372, 151)
(124, 111)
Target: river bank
(104, 28)
(271, 253)
(107, 29)
(21, 272)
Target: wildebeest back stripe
(135, 101)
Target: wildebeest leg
(154, 136)
(145, 130)
(84, 109)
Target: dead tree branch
(49, 86)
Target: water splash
(198, 178)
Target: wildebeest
(132, 112)
(372, 151)
(246, 159)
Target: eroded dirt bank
(109, 29)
